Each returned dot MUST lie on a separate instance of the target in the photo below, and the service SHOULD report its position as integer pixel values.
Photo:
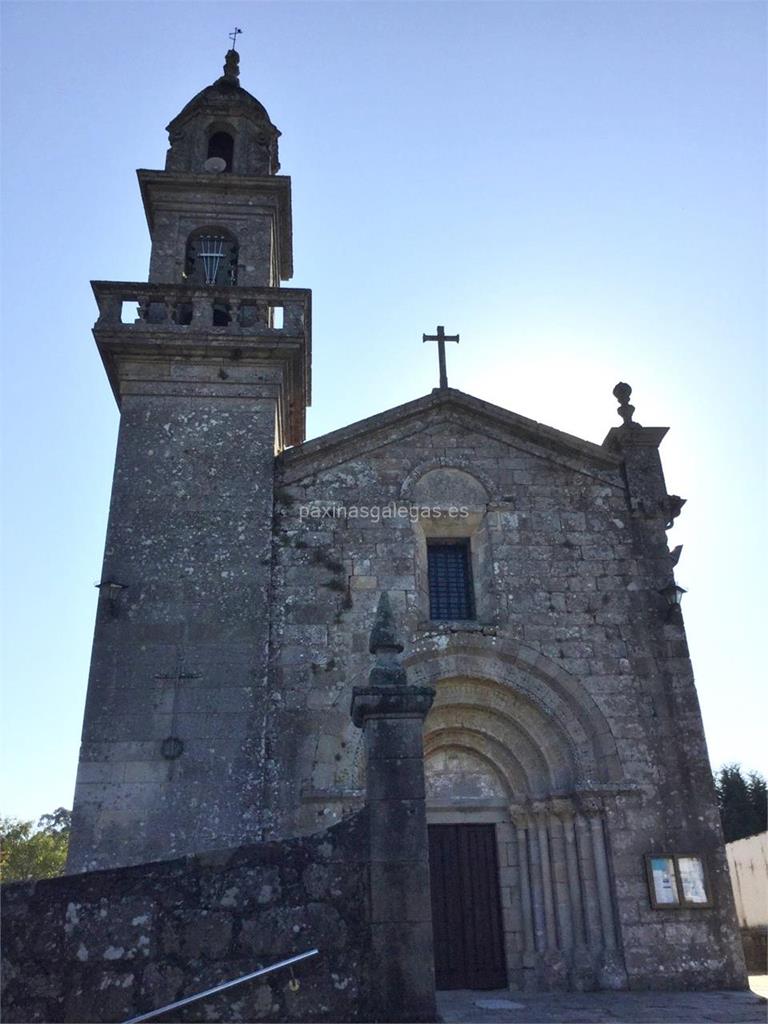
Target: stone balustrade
(284, 312)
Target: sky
(578, 189)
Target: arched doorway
(511, 767)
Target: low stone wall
(109, 945)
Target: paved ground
(506, 1007)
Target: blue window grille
(450, 580)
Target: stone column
(611, 972)
(521, 822)
(546, 874)
(555, 971)
(582, 974)
(560, 879)
(586, 863)
(603, 882)
(537, 887)
(391, 713)
(530, 961)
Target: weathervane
(441, 337)
(233, 36)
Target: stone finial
(383, 632)
(623, 392)
(232, 66)
(383, 643)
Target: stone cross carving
(441, 337)
(172, 746)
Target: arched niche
(210, 257)
(448, 487)
(221, 144)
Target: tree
(32, 851)
(743, 802)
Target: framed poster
(662, 881)
(676, 881)
(693, 881)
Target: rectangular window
(450, 580)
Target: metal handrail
(220, 988)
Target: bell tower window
(222, 145)
(211, 258)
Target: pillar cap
(390, 702)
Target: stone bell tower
(209, 362)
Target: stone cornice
(634, 436)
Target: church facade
(574, 837)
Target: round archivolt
(215, 165)
(171, 748)
(441, 480)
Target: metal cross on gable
(441, 337)
(233, 36)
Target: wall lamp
(111, 588)
(673, 595)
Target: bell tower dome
(224, 122)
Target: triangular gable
(449, 405)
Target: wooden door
(466, 909)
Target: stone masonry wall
(555, 571)
(571, 632)
(179, 656)
(108, 945)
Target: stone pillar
(546, 875)
(391, 714)
(560, 880)
(611, 972)
(555, 971)
(586, 863)
(565, 813)
(582, 974)
(530, 960)
(537, 888)
(511, 902)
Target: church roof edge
(515, 423)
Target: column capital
(590, 804)
(519, 815)
(390, 702)
(562, 808)
(540, 811)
